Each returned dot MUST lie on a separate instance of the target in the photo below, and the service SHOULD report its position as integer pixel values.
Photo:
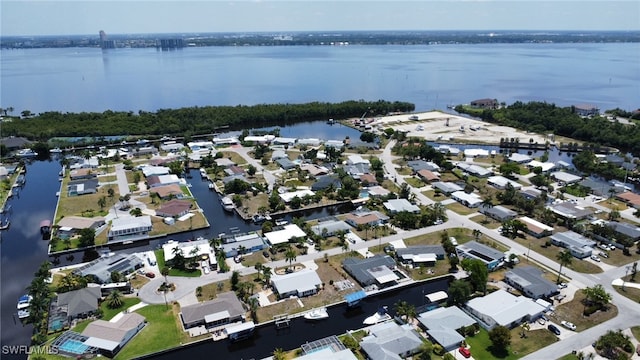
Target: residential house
(586, 109)
(15, 142)
(377, 270)
(475, 170)
(288, 196)
(78, 304)
(395, 206)
(504, 309)
(474, 153)
(285, 141)
(536, 228)
(326, 348)
(580, 246)
(391, 341)
(174, 208)
(314, 170)
(224, 309)
(602, 188)
(70, 225)
(151, 170)
(101, 268)
(368, 180)
(501, 182)
(162, 180)
(326, 181)
(278, 154)
(564, 178)
(299, 283)
(447, 188)
(499, 213)
(200, 145)
(470, 200)
(224, 162)
(130, 228)
(236, 244)
(377, 191)
(519, 158)
(366, 217)
(82, 187)
(488, 255)
(417, 165)
(285, 234)
(545, 167)
(420, 255)
(168, 191)
(569, 210)
(286, 164)
(199, 249)
(111, 336)
(631, 199)
(330, 227)
(530, 282)
(234, 170)
(428, 176)
(81, 174)
(442, 325)
(629, 231)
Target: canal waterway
(341, 319)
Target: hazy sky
(24, 17)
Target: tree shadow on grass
(498, 353)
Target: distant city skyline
(49, 17)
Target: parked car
(453, 240)
(603, 247)
(237, 259)
(611, 247)
(554, 329)
(568, 325)
(205, 269)
(150, 275)
(562, 285)
(595, 258)
(464, 351)
(265, 254)
(604, 254)
(559, 297)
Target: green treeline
(541, 117)
(191, 121)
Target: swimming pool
(73, 347)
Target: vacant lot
(572, 311)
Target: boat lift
(282, 321)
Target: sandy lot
(432, 126)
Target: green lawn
(108, 314)
(460, 209)
(160, 333)
(172, 271)
(535, 340)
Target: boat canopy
(355, 297)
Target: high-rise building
(104, 42)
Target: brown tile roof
(174, 207)
(167, 190)
(361, 220)
(631, 198)
(428, 175)
(368, 178)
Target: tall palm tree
(290, 256)
(278, 354)
(266, 272)
(565, 258)
(114, 299)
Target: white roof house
(476, 153)
(519, 158)
(503, 308)
(288, 196)
(442, 325)
(545, 166)
(501, 182)
(188, 248)
(390, 341)
(474, 169)
(469, 200)
(536, 228)
(399, 205)
(130, 227)
(199, 145)
(565, 177)
(356, 159)
(300, 283)
(283, 236)
(151, 170)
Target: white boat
(282, 222)
(23, 313)
(211, 186)
(317, 314)
(24, 301)
(203, 172)
(380, 316)
(55, 150)
(25, 153)
(227, 203)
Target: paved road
(628, 311)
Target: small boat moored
(23, 306)
(380, 316)
(317, 314)
(45, 229)
(6, 225)
(227, 203)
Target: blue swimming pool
(73, 347)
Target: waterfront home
(391, 341)
(545, 167)
(165, 192)
(470, 200)
(326, 181)
(519, 158)
(334, 143)
(586, 109)
(218, 141)
(536, 228)
(330, 227)
(395, 206)
(130, 228)
(285, 141)
(368, 180)
(499, 213)
(111, 336)
(101, 268)
(485, 103)
(376, 270)
(501, 182)
(311, 142)
(530, 282)
(580, 246)
(82, 187)
(76, 304)
(442, 325)
(326, 348)
(162, 180)
(314, 170)
(171, 146)
(488, 255)
(425, 255)
(199, 249)
(417, 165)
(569, 210)
(151, 170)
(602, 188)
(284, 235)
(300, 283)
(200, 145)
(365, 217)
(224, 309)
(288, 196)
(80, 174)
(70, 225)
(377, 191)
(144, 150)
(236, 244)
(15, 142)
(473, 153)
(259, 139)
(564, 178)
(503, 308)
(82, 163)
(174, 208)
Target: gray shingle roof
(358, 268)
(80, 301)
(225, 301)
(529, 280)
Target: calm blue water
(83, 79)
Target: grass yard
(174, 272)
(617, 258)
(127, 302)
(636, 332)
(486, 221)
(234, 156)
(160, 333)
(613, 204)
(460, 209)
(631, 293)
(535, 340)
(415, 182)
(572, 311)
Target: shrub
(438, 349)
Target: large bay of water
(86, 79)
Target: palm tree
(102, 202)
(253, 308)
(114, 300)
(564, 257)
(290, 256)
(258, 267)
(165, 272)
(278, 354)
(266, 272)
